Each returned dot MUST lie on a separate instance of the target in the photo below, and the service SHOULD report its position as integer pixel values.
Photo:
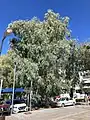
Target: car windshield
(18, 101)
(61, 99)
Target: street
(67, 113)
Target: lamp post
(1, 87)
(13, 86)
(6, 33)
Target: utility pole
(1, 87)
(31, 96)
(13, 86)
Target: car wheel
(62, 105)
(26, 109)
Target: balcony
(87, 81)
(86, 76)
(86, 87)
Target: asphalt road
(66, 113)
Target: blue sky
(77, 10)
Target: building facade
(84, 85)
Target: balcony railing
(84, 77)
(86, 87)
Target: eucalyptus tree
(45, 48)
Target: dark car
(46, 103)
(4, 109)
(53, 104)
(15, 101)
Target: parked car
(53, 104)
(18, 105)
(65, 102)
(36, 104)
(46, 103)
(79, 97)
(5, 109)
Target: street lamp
(6, 33)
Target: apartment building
(84, 82)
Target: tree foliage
(48, 53)
(6, 70)
(44, 54)
(85, 56)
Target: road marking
(70, 115)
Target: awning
(10, 90)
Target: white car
(18, 105)
(65, 102)
(79, 96)
(19, 108)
